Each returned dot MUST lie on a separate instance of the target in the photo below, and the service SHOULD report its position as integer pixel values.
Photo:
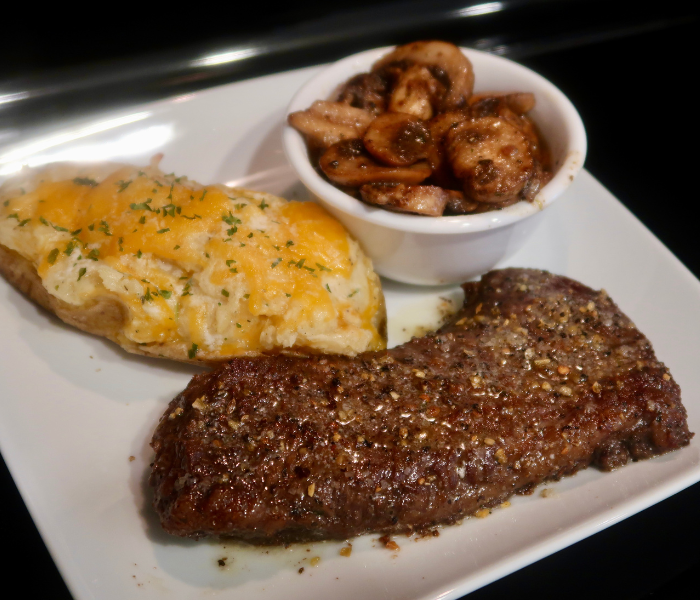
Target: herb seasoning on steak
(536, 377)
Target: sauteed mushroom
(367, 91)
(348, 163)
(411, 136)
(397, 139)
(419, 199)
(444, 58)
(415, 92)
(326, 123)
(492, 157)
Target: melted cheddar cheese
(215, 271)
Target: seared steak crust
(536, 377)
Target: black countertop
(626, 70)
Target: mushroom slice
(397, 139)
(367, 91)
(519, 102)
(539, 179)
(492, 157)
(348, 163)
(439, 126)
(415, 92)
(441, 57)
(418, 199)
(505, 107)
(325, 123)
(458, 204)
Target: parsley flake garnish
(93, 254)
(43, 221)
(23, 223)
(225, 293)
(104, 228)
(192, 352)
(320, 266)
(170, 209)
(263, 205)
(81, 273)
(229, 219)
(122, 185)
(85, 181)
(165, 293)
(53, 255)
(163, 230)
(274, 264)
(142, 205)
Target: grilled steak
(537, 376)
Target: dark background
(628, 70)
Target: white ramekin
(439, 250)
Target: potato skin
(104, 317)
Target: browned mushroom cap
(492, 157)
(367, 91)
(415, 92)
(348, 163)
(458, 204)
(325, 123)
(418, 199)
(439, 125)
(502, 106)
(441, 57)
(539, 179)
(397, 139)
(519, 102)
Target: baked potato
(164, 266)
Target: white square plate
(74, 408)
